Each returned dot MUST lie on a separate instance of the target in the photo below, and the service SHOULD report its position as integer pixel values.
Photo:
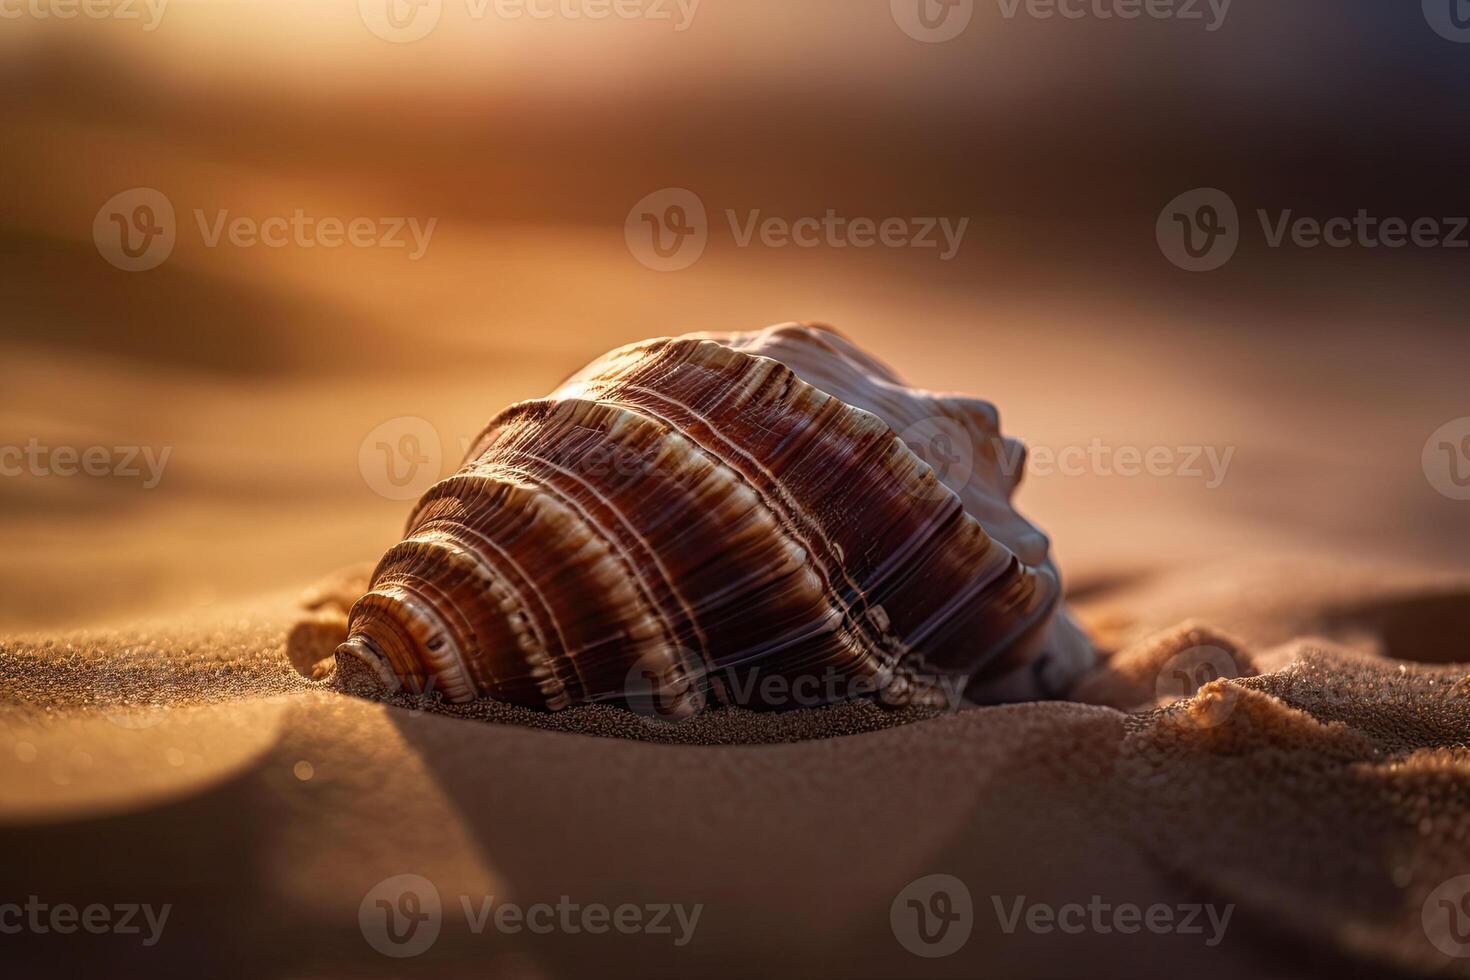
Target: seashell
(732, 517)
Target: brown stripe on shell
(758, 595)
(869, 505)
(686, 506)
(586, 598)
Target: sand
(162, 740)
(161, 737)
(1323, 795)
(159, 743)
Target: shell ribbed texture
(705, 507)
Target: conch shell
(771, 519)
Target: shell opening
(362, 650)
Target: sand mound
(1320, 791)
(1329, 798)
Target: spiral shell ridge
(708, 508)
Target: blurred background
(293, 398)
